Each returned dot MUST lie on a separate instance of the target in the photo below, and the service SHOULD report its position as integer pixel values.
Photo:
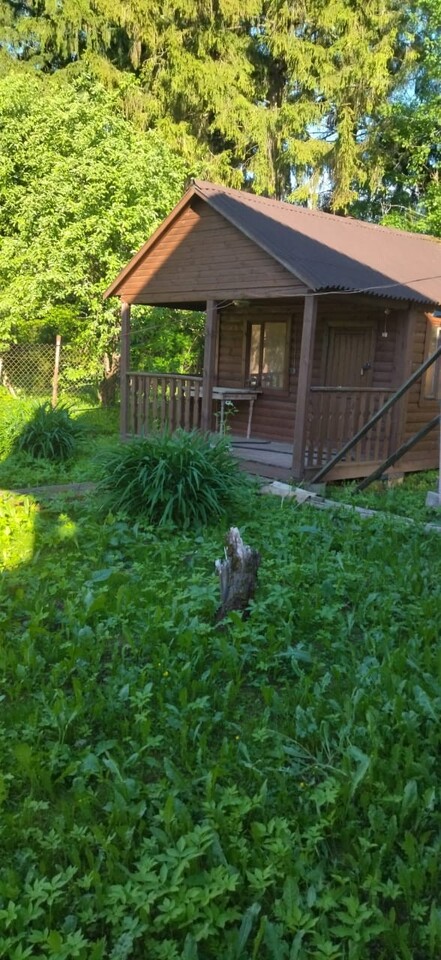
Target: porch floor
(273, 459)
(266, 458)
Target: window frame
(258, 322)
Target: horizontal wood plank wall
(352, 311)
(419, 410)
(231, 356)
(201, 257)
(273, 416)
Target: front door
(349, 355)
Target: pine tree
(279, 95)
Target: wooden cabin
(313, 322)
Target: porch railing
(163, 401)
(336, 414)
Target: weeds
(266, 791)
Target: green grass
(265, 789)
(99, 431)
(406, 499)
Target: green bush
(51, 434)
(182, 480)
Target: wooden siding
(202, 257)
(350, 311)
(273, 416)
(274, 413)
(419, 410)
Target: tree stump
(238, 575)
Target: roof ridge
(272, 202)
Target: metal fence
(53, 371)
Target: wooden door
(349, 355)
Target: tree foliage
(405, 148)
(80, 191)
(108, 107)
(276, 94)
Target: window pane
(256, 329)
(274, 355)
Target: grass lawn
(100, 431)
(179, 791)
(172, 790)
(406, 499)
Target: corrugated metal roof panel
(329, 252)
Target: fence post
(56, 370)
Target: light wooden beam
(303, 385)
(208, 376)
(124, 369)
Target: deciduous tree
(81, 188)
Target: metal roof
(328, 252)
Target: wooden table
(230, 395)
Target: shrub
(183, 480)
(50, 434)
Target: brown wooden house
(313, 323)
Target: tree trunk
(108, 384)
(238, 575)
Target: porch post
(124, 369)
(303, 385)
(211, 325)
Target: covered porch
(322, 418)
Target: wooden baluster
(377, 430)
(322, 428)
(350, 411)
(309, 431)
(196, 405)
(178, 405)
(133, 403)
(357, 421)
(361, 449)
(154, 404)
(187, 403)
(332, 425)
(163, 386)
(340, 419)
(386, 429)
(171, 406)
(146, 407)
(372, 436)
(128, 401)
(139, 405)
(308, 424)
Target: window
(268, 355)
(432, 379)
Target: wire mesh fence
(51, 371)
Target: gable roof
(325, 251)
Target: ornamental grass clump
(184, 480)
(50, 434)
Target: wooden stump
(238, 575)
